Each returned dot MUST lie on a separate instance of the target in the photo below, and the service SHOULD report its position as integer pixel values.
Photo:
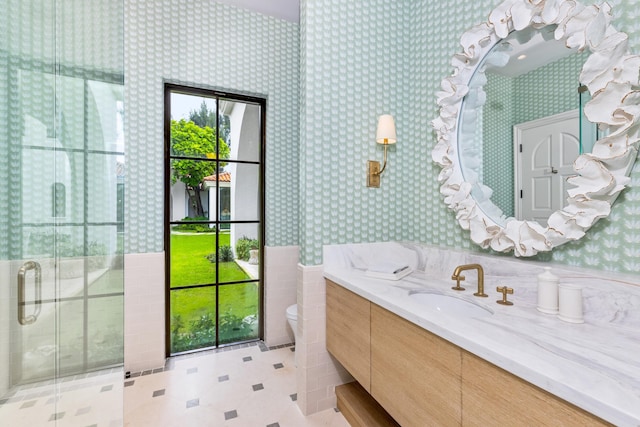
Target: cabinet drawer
(348, 331)
(493, 396)
(415, 375)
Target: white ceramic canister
(570, 303)
(548, 292)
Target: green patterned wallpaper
(497, 124)
(204, 43)
(354, 68)
(379, 57)
(390, 57)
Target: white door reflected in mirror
(545, 150)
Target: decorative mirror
(610, 74)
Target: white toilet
(292, 318)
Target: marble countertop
(594, 365)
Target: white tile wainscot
(318, 373)
(280, 277)
(144, 315)
(593, 365)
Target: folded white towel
(389, 271)
(388, 267)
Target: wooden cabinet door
(348, 331)
(415, 375)
(494, 397)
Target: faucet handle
(504, 290)
(458, 279)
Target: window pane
(36, 96)
(193, 189)
(246, 246)
(70, 102)
(41, 169)
(103, 177)
(69, 241)
(38, 242)
(70, 336)
(232, 269)
(70, 170)
(35, 358)
(240, 128)
(193, 123)
(106, 281)
(59, 195)
(105, 112)
(192, 258)
(193, 318)
(104, 260)
(238, 312)
(106, 331)
(244, 193)
(69, 244)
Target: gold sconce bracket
(373, 177)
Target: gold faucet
(458, 278)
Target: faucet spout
(457, 277)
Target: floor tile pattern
(248, 385)
(84, 400)
(252, 386)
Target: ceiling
(288, 10)
(531, 49)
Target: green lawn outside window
(193, 310)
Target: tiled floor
(250, 386)
(93, 399)
(247, 385)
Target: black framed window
(214, 204)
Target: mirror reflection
(521, 124)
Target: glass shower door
(62, 168)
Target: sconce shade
(386, 132)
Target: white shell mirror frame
(611, 75)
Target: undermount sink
(450, 305)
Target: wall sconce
(385, 135)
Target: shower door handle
(29, 265)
